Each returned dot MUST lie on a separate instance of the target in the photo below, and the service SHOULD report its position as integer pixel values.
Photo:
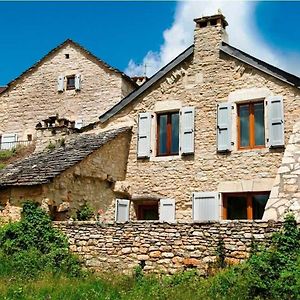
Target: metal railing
(15, 144)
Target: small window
(251, 125)
(29, 137)
(168, 134)
(67, 56)
(244, 205)
(71, 82)
(148, 211)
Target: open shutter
(206, 206)
(122, 210)
(187, 130)
(167, 210)
(144, 130)
(60, 83)
(224, 127)
(78, 124)
(276, 121)
(77, 82)
(8, 141)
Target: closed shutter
(122, 210)
(167, 210)
(276, 121)
(144, 135)
(78, 124)
(187, 130)
(224, 127)
(60, 83)
(206, 206)
(77, 82)
(8, 141)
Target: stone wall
(163, 247)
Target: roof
(2, 89)
(68, 41)
(42, 167)
(225, 48)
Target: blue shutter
(167, 210)
(224, 127)
(122, 210)
(144, 135)
(60, 83)
(276, 121)
(187, 130)
(206, 206)
(77, 82)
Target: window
(168, 134)
(29, 137)
(251, 125)
(71, 82)
(147, 211)
(244, 205)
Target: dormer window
(71, 82)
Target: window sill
(253, 150)
(165, 158)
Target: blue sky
(129, 34)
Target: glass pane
(175, 133)
(236, 208)
(259, 203)
(244, 125)
(259, 125)
(162, 134)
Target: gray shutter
(122, 210)
(8, 141)
(276, 121)
(77, 82)
(206, 206)
(60, 83)
(187, 130)
(224, 127)
(144, 132)
(167, 210)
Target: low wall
(163, 247)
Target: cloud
(241, 31)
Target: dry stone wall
(163, 247)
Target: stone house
(69, 82)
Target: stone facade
(34, 96)
(162, 247)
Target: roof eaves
(144, 87)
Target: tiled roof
(2, 89)
(40, 168)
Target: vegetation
(85, 213)
(32, 249)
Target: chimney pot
(214, 20)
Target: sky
(130, 35)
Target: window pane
(244, 125)
(236, 207)
(259, 203)
(162, 134)
(259, 123)
(175, 133)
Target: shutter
(167, 210)
(187, 130)
(224, 127)
(122, 210)
(77, 82)
(60, 83)
(78, 124)
(206, 206)
(144, 130)
(276, 121)
(8, 141)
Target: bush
(85, 213)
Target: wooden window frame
(169, 134)
(249, 200)
(251, 126)
(70, 87)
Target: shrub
(85, 213)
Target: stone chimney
(209, 33)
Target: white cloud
(241, 31)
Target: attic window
(71, 82)
(67, 56)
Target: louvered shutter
(187, 130)
(224, 127)
(206, 206)
(77, 82)
(78, 124)
(8, 141)
(167, 210)
(144, 135)
(276, 121)
(122, 210)
(60, 83)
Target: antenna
(145, 69)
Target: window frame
(169, 133)
(251, 126)
(68, 87)
(249, 202)
(146, 206)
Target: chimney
(208, 35)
